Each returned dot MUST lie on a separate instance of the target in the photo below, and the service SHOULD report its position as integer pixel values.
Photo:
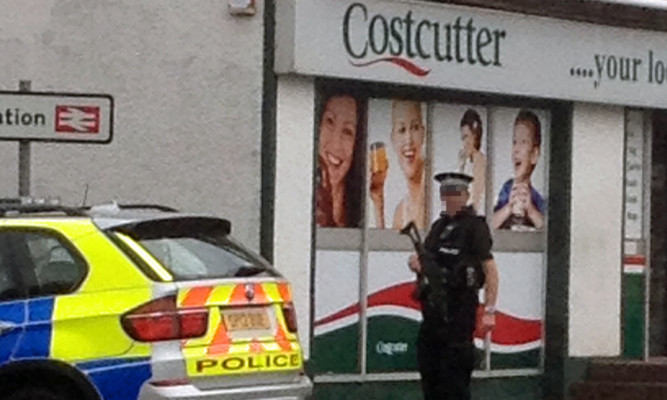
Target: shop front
(374, 97)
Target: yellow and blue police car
(139, 302)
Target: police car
(139, 302)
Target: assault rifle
(431, 281)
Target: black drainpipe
(266, 230)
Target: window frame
(15, 278)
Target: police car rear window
(194, 248)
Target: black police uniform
(445, 354)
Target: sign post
(27, 116)
(24, 153)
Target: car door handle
(6, 326)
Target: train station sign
(55, 117)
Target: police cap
(453, 182)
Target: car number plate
(246, 320)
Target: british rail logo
(77, 119)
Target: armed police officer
(455, 263)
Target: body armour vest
(449, 245)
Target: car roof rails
(27, 205)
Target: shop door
(657, 328)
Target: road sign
(56, 117)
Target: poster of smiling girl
(460, 137)
(397, 152)
(340, 175)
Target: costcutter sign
(408, 42)
(456, 47)
(56, 117)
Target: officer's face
(454, 200)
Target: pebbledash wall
(187, 80)
(349, 71)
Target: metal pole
(24, 154)
(487, 211)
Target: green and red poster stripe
(512, 334)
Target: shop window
(400, 144)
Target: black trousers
(445, 367)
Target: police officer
(460, 244)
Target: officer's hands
(414, 264)
(488, 322)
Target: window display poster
(336, 322)
(516, 341)
(459, 144)
(340, 161)
(519, 139)
(397, 152)
(393, 315)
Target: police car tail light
(160, 319)
(290, 317)
(193, 323)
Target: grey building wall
(187, 82)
